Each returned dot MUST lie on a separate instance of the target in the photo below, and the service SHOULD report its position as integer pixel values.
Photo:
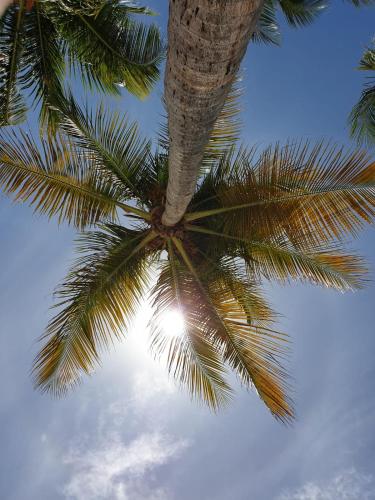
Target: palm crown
(280, 214)
(98, 40)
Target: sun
(172, 323)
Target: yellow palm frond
(252, 351)
(56, 179)
(313, 195)
(190, 357)
(279, 260)
(329, 268)
(99, 299)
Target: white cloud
(348, 485)
(116, 470)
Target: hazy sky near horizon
(127, 433)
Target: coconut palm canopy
(98, 41)
(362, 117)
(278, 214)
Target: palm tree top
(282, 214)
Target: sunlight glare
(173, 324)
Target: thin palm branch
(56, 180)
(190, 358)
(362, 117)
(12, 106)
(109, 48)
(44, 64)
(251, 351)
(322, 193)
(111, 139)
(99, 298)
(279, 260)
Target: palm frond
(267, 28)
(362, 117)
(279, 260)
(312, 195)
(56, 179)
(360, 3)
(12, 105)
(110, 48)
(99, 298)
(252, 351)
(226, 131)
(190, 357)
(44, 63)
(111, 139)
(302, 12)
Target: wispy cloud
(348, 485)
(118, 457)
(117, 470)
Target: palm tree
(97, 40)
(279, 214)
(207, 41)
(362, 117)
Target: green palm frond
(253, 352)
(313, 195)
(44, 64)
(111, 139)
(302, 12)
(110, 48)
(99, 40)
(267, 28)
(190, 357)
(12, 105)
(99, 299)
(362, 117)
(226, 131)
(56, 179)
(360, 3)
(297, 13)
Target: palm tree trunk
(207, 40)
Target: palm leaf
(226, 130)
(267, 28)
(111, 139)
(302, 12)
(12, 106)
(44, 63)
(362, 117)
(250, 350)
(281, 261)
(110, 48)
(56, 179)
(190, 357)
(99, 299)
(313, 195)
(360, 3)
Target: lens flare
(173, 324)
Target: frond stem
(13, 62)
(217, 211)
(117, 54)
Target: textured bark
(207, 40)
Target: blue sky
(127, 433)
